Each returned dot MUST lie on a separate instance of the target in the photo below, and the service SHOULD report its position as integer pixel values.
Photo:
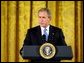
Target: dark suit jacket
(34, 37)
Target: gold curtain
(18, 16)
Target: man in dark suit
(37, 36)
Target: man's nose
(41, 19)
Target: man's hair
(46, 10)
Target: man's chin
(43, 26)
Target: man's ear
(49, 18)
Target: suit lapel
(51, 33)
(39, 35)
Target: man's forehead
(43, 13)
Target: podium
(32, 52)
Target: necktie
(45, 33)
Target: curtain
(18, 16)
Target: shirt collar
(46, 27)
(42, 28)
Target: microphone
(43, 37)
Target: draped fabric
(18, 16)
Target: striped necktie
(45, 33)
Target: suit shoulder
(56, 28)
(34, 28)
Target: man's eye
(43, 17)
(39, 17)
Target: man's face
(44, 20)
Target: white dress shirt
(42, 30)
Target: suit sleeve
(62, 38)
(27, 40)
